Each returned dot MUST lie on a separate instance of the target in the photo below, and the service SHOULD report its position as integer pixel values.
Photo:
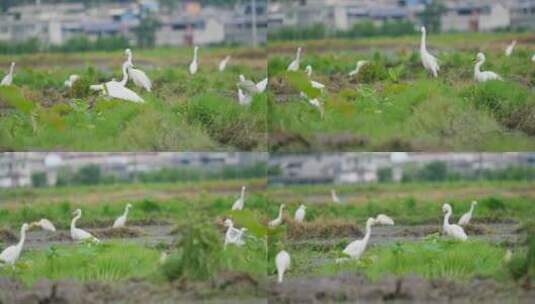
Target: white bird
(121, 220)
(300, 214)
(12, 253)
(315, 102)
(334, 197)
(44, 224)
(384, 220)
(194, 64)
(465, 219)
(117, 89)
(8, 79)
(244, 99)
(71, 80)
(248, 86)
(238, 204)
(429, 61)
(294, 65)
(484, 76)
(282, 261)
(357, 247)
(359, 66)
(452, 230)
(262, 85)
(278, 220)
(510, 48)
(533, 58)
(223, 64)
(78, 234)
(315, 84)
(139, 77)
(233, 235)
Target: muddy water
(148, 235)
(384, 235)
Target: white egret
(194, 64)
(244, 99)
(238, 204)
(8, 79)
(71, 80)
(316, 103)
(223, 64)
(262, 85)
(282, 261)
(139, 77)
(300, 214)
(429, 61)
(384, 220)
(11, 254)
(78, 234)
(121, 220)
(44, 224)
(358, 67)
(533, 58)
(248, 86)
(356, 248)
(334, 197)
(452, 230)
(294, 65)
(233, 235)
(465, 219)
(314, 84)
(278, 220)
(484, 76)
(117, 89)
(510, 48)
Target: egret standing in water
(510, 48)
(356, 248)
(282, 262)
(314, 84)
(300, 214)
(121, 220)
(117, 89)
(78, 234)
(194, 64)
(11, 254)
(278, 220)
(139, 77)
(8, 79)
(452, 230)
(223, 64)
(465, 219)
(429, 61)
(294, 65)
(238, 204)
(483, 76)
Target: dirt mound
(6, 236)
(117, 233)
(355, 288)
(321, 228)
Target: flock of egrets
(429, 62)
(119, 90)
(236, 236)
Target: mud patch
(341, 141)
(287, 141)
(122, 233)
(321, 229)
(6, 236)
(355, 287)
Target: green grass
(432, 258)
(39, 113)
(393, 104)
(84, 262)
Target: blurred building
(16, 168)
(366, 167)
(188, 23)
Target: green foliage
(39, 179)
(148, 206)
(493, 203)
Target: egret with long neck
(278, 220)
(465, 219)
(356, 248)
(11, 254)
(429, 61)
(453, 230)
(8, 79)
(486, 75)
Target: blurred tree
(431, 15)
(38, 179)
(88, 175)
(385, 175)
(146, 31)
